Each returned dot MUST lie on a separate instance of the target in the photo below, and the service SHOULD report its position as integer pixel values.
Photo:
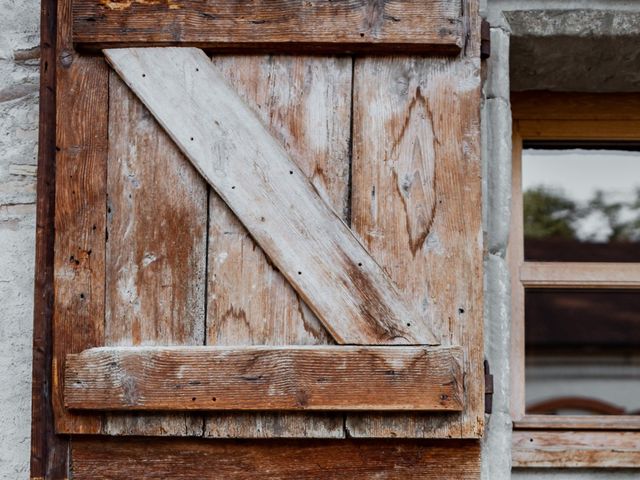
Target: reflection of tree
(623, 229)
(550, 214)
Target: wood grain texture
(265, 378)
(305, 103)
(415, 100)
(580, 275)
(49, 452)
(80, 217)
(417, 26)
(417, 206)
(515, 258)
(156, 246)
(626, 130)
(97, 459)
(538, 105)
(318, 254)
(578, 422)
(539, 449)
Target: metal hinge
(485, 39)
(488, 388)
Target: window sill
(575, 449)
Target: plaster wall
(19, 60)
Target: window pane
(582, 352)
(581, 203)
(586, 319)
(571, 384)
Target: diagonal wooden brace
(319, 255)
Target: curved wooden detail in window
(585, 404)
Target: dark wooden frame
(49, 452)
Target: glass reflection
(581, 203)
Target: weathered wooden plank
(305, 102)
(156, 246)
(49, 452)
(417, 206)
(120, 459)
(582, 449)
(80, 217)
(577, 422)
(515, 257)
(604, 275)
(320, 378)
(417, 26)
(317, 253)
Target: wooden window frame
(580, 441)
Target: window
(574, 255)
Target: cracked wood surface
(416, 199)
(155, 249)
(278, 88)
(396, 459)
(305, 104)
(321, 378)
(417, 26)
(80, 219)
(318, 254)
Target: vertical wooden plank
(49, 452)
(80, 212)
(305, 102)
(156, 247)
(81, 159)
(416, 203)
(515, 258)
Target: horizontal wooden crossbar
(285, 25)
(580, 275)
(265, 378)
(118, 458)
(577, 422)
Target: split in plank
(309, 243)
(417, 26)
(321, 378)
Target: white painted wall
(19, 59)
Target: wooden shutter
(268, 219)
